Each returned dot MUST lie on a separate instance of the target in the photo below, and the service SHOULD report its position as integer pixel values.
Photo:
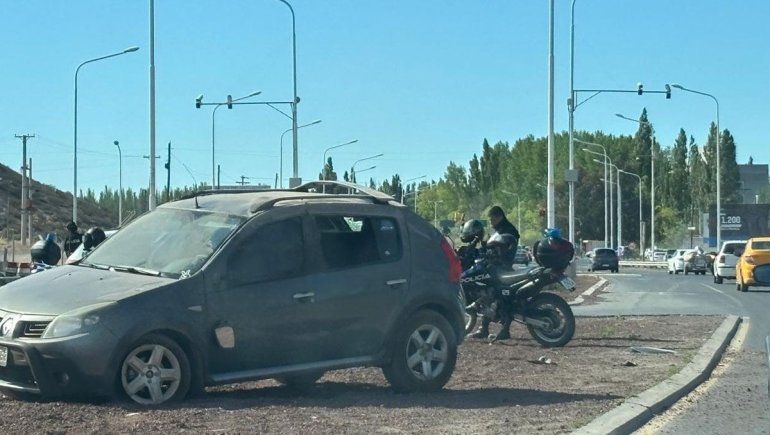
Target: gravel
(496, 388)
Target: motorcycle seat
(510, 278)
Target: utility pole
(550, 194)
(151, 190)
(24, 186)
(29, 202)
(219, 172)
(243, 181)
(168, 173)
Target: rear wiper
(137, 270)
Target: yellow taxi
(753, 267)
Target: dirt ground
(496, 388)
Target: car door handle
(396, 282)
(304, 297)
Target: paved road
(735, 399)
(643, 291)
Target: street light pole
(435, 212)
(120, 185)
(75, 141)
(407, 181)
(719, 164)
(295, 179)
(571, 110)
(652, 178)
(213, 127)
(550, 197)
(317, 121)
(353, 168)
(323, 172)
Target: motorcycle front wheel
(554, 310)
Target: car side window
(349, 241)
(273, 251)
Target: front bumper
(80, 364)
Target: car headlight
(79, 321)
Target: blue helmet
(553, 233)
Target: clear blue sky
(423, 82)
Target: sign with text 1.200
(730, 222)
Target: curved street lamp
(317, 121)
(75, 141)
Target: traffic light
(199, 101)
(639, 89)
(668, 92)
(229, 101)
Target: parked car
(231, 286)
(522, 256)
(695, 262)
(726, 259)
(753, 266)
(659, 255)
(676, 261)
(604, 259)
(670, 253)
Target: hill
(51, 208)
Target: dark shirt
(507, 256)
(73, 240)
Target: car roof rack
(315, 190)
(318, 187)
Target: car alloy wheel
(426, 352)
(151, 374)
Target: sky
(421, 82)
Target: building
(754, 182)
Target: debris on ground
(647, 349)
(629, 364)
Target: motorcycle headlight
(79, 321)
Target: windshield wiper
(137, 270)
(93, 265)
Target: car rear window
(731, 247)
(349, 241)
(608, 252)
(760, 245)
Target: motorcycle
(518, 296)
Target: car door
(260, 298)
(361, 275)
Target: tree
(679, 190)
(697, 182)
(731, 180)
(328, 171)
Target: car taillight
(455, 268)
(721, 259)
(749, 259)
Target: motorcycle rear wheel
(471, 317)
(555, 310)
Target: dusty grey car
(226, 287)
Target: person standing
(73, 240)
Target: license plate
(567, 282)
(605, 265)
(3, 356)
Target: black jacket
(507, 256)
(73, 240)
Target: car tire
(686, 271)
(301, 381)
(417, 364)
(670, 272)
(143, 368)
(718, 279)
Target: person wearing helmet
(472, 234)
(92, 238)
(73, 240)
(503, 244)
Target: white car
(724, 262)
(676, 262)
(659, 255)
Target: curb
(579, 300)
(645, 264)
(638, 410)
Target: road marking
(636, 275)
(684, 404)
(732, 298)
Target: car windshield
(169, 242)
(760, 245)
